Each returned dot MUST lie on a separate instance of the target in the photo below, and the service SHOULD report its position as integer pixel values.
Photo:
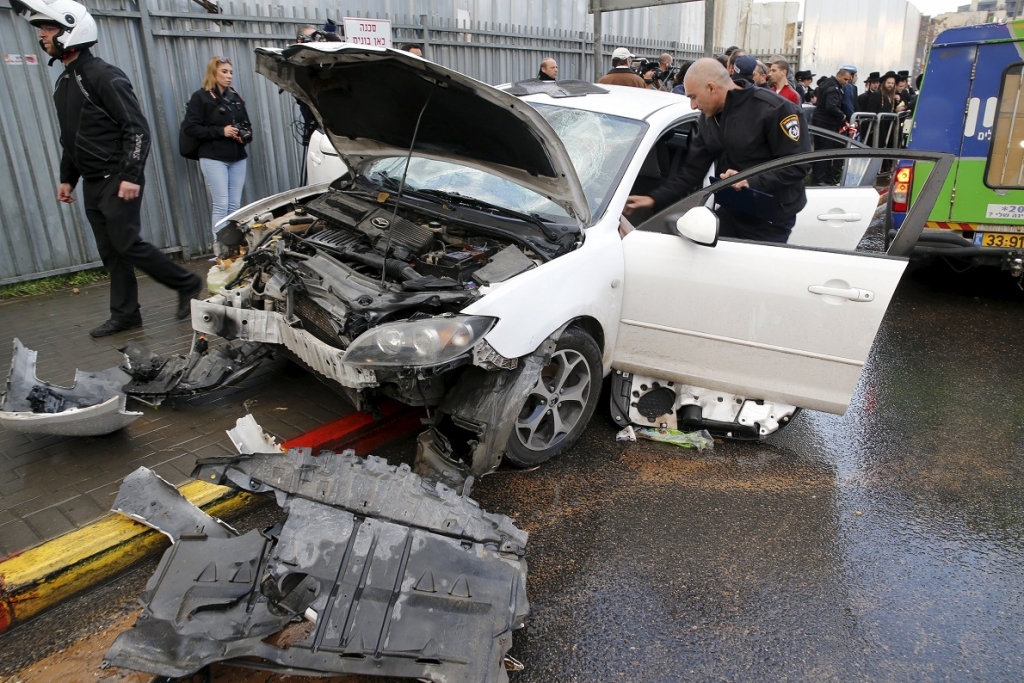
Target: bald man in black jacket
(740, 128)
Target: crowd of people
(889, 93)
(737, 86)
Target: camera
(244, 132)
(644, 65)
(318, 36)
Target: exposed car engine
(321, 264)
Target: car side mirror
(699, 224)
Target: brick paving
(50, 485)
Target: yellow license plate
(999, 239)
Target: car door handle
(847, 217)
(853, 294)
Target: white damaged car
(475, 261)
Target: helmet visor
(39, 13)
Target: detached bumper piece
(393, 577)
(154, 378)
(92, 406)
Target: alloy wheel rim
(556, 403)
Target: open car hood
(368, 101)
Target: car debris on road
(701, 440)
(393, 576)
(94, 405)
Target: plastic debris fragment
(93, 405)
(627, 434)
(701, 440)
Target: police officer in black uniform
(105, 140)
(740, 128)
(829, 114)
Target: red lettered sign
(371, 32)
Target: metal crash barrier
(871, 124)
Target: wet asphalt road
(884, 545)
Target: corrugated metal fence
(163, 46)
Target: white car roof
(620, 100)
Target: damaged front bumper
(269, 327)
(154, 377)
(96, 403)
(92, 406)
(394, 577)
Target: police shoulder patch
(791, 127)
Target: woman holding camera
(216, 117)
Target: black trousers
(116, 225)
(826, 171)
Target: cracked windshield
(599, 145)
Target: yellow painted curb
(41, 577)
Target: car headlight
(421, 342)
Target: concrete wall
(873, 35)
(773, 26)
(762, 27)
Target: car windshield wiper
(474, 203)
(385, 181)
(389, 182)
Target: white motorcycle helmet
(78, 27)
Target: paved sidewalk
(52, 485)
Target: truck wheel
(561, 403)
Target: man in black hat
(803, 86)
(907, 95)
(871, 85)
(743, 68)
(883, 101)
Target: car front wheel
(560, 405)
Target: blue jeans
(224, 180)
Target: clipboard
(749, 201)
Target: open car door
(838, 217)
(835, 217)
(789, 323)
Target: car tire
(561, 404)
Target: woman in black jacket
(216, 117)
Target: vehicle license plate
(998, 239)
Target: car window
(599, 145)
(847, 212)
(430, 174)
(1006, 154)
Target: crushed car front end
(320, 294)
